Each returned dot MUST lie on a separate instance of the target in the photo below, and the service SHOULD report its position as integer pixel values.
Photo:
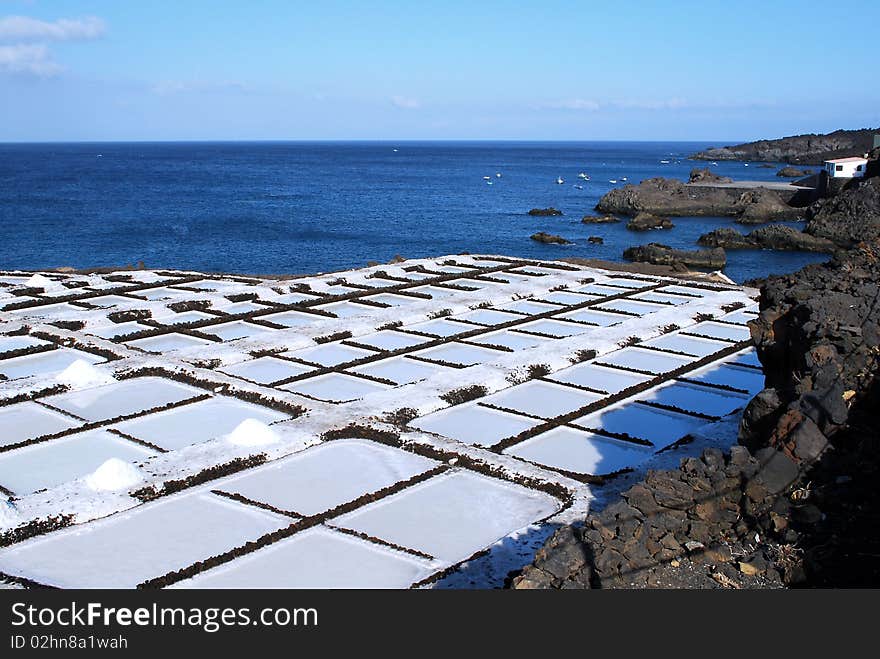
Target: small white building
(846, 167)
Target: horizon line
(361, 140)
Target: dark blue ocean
(286, 207)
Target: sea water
(304, 207)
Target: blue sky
(273, 69)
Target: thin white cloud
(405, 103)
(591, 105)
(167, 87)
(661, 104)
(23, 42)
(574, 104)
(170, 87)
(652, 105)
(33, 59)
(27, 29)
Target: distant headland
(808, 149)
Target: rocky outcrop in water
(661, 196)
(711, 259)
(775, 236)
(849, 217)
(793, 172)
(649, 221)
(599, 219)
(811, 149)
(543, 237)
(545, 212)
(706, 175)
(762, 205)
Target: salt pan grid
(459, 353)
(122, 398)
(113, 331)
(554, 328)
(726, 331)
(580, 452)
(352, 468)
(475, 424)
(440, 327)
(238, 330)
(391, 340)
(600, 378)
(487, 317)
(451, 516)
(318, 558)
(662, 298)
(746, 358)
(401, 370)
(646, 361)
(10, 343)
(292, 318)
(111, 301)
(527, 307)
(485, 358)
(688, 345)
(513, 339)
(196, 422)
(130, 547)
(266, 370)
(335, 387)
(636, 307)
(168, 342)
(29, 420)
(51, 463)
(330, 354)
(564, 297)
(593, 317)
(543, 399)
(44, 363)
(660, 427)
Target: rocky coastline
(659, 254)
(808, 149)
(838, 213)
(794, 503)
(774, 236)
(671, 197)
(851, 216)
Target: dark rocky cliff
(850, 216)
(810, 149)
(796, 502)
